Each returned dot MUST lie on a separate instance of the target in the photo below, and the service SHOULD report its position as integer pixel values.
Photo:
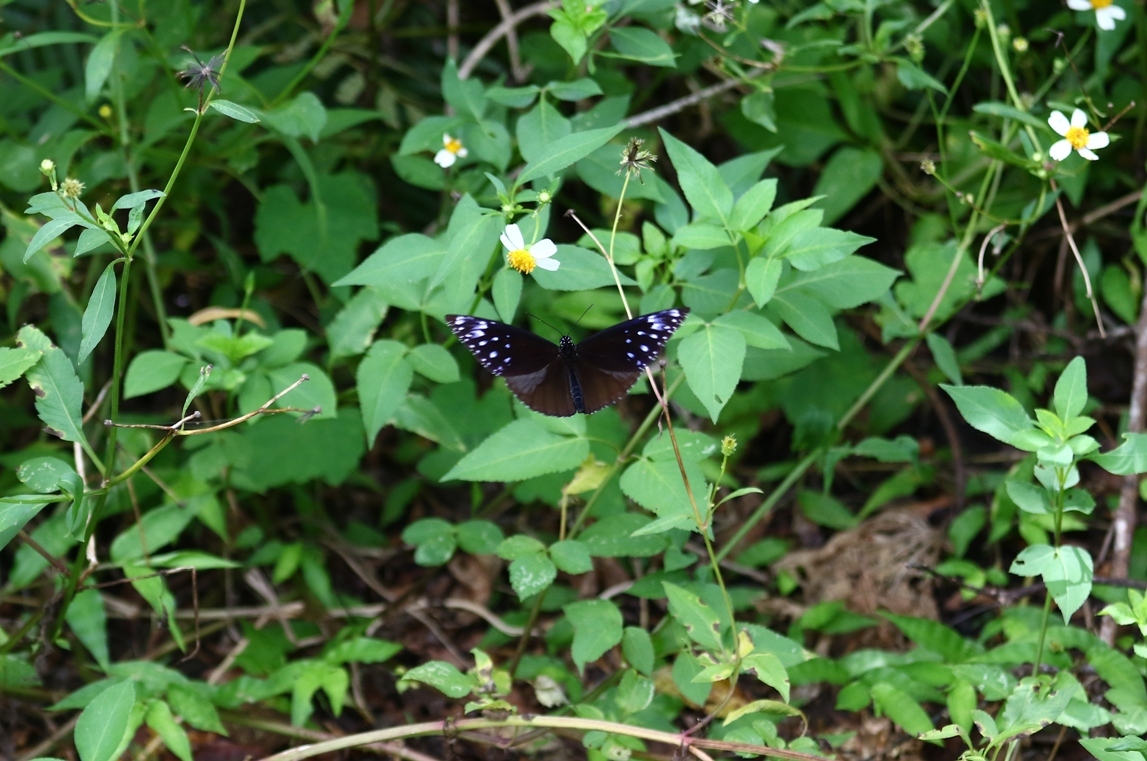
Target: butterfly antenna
(584, 313)
(551, 327)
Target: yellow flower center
(1098, 4)
(523, 261)
(453, 145)
(1077, 136)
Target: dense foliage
(255, 492)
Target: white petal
(512, 238)
(1059, 150)
(1115, 12)
(462, 153)
(444, 159)
(1079, 5)
(1088, 154)
(1078, 118)
(549, 264)
(1105, 18)
(446, 138)
(1058, 122)
(1098, 140)
(543, 249)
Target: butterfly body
(564, 378)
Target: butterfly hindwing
(610, 362)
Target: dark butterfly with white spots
(563, 378)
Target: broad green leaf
(102, 727)
(539, 127)
(44, 474)
(768, 669)
(702, 236)
(712, 293)
(1029, 497)
(845, 284)
(634, 692)
(303, 116)
(700, 181)
(362, 650)
(657, 486)
(597, 626)
(915, 78)
(637, 647)
(507, 293)
(157, 529)
(812, 249)
(901, 708)
(520, 546)
(434, 362)
(752, 207)
(59, 392)
(51, 230)
(580, 270)
(936, 637)
(99, 65)
(522, 449)
(991, 411)
(712, 359)
(945, 358)
(135, 200)
(160, 719)
(531, 575)
(849, 175)
(757, 330)
(464, 95)
(351, 331)
(1067, 572)
(444, 677)
(234, 111)
(761, 278)
(571, 556)
(383, 378)
(479, 537)
(13, 517)
(88, 620)
(151, 371)
(565, 151)
(807, 316)
(639, 44)
(475, 239)
(405, 259)
(14, 362)
(195, 708)
(1071, 390)
(825, 510)
(1129, 458)
(318, 392)
(433, 539)
(1035, 703)
(701, 624)
(90, 239)
(98, 314)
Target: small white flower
(1106, 11)
(1075, 135)
(523, 258)
(452, 150)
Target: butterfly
(563, 378)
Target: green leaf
(362, 650)
(807, 316)
(434, 362)
(157, 529)
(637, 647)
(1128, 459)
(638, 44)
(161, 720)
(532, 575)
(712, 359)
(99, 65)
(434, 539)
(752, 207)
(318, 392)
(566, 151)
(571, 556)
(915, 78)
(405, 259)
(444, 677)
(303, 116)
(383, 378)
(14, 362)
(1067, 572)
(702, 236)
(351, 332)
(850, 174)
(51, 230)
(520, 546)
(88, 620)
(1004, 111)
(656, 485)
(98, 313)
(597, 626)
(634, 693)
(522, 449)
(991, 411)
(464, 95)
(945, 358)
(44, 474)
(479, 537)
(845, 284)
(135, 200)
(581, 270)
(102, 727)
(761, 278)
(195, 709)
(234, 111)
(1071, 390)
(59, 392)
(757, 330)
(151, 371)
(507, 292)
(701, 624)
(768, 669)
(475, 237)
(700, 181)
(901, 708)
(1029, 497)
(810, 250)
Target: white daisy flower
(524, 258)
(1106, 11)
(452, 150)
(1075, 135)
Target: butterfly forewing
(603, 366)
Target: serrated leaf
(712, 359)
(701, 624)
(383, 378)
(531, 575)
(808, 317)
(700, 181)
(1129, 458)
(597, 626)
(99, 311)
(522, 449)
(565, 151)
(59, 392)
(14, 363)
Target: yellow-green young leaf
(161, 720)
(383, 378)
(522, 449)
(700, 181)
(102, 727)
(1071, 390)
(59, 392)
(87, 618)
(597, 626)
(712, 359)
(13, 363)
(990, 410)
(1129, 458)
(700, 621)
(99, 311)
